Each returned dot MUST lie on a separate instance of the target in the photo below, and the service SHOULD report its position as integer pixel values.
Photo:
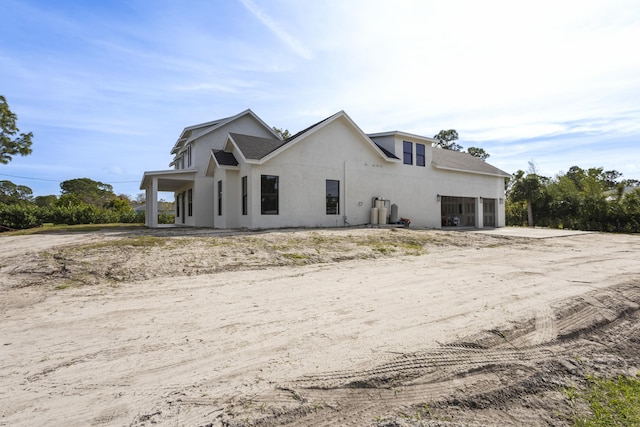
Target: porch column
(152, 204)
(479, 213)
(147, 206)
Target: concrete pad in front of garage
(532, 233)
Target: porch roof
(168, 180)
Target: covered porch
(154, 182)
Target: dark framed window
(178, 195)
(189, 155)
(245, 206)
(420, 154)
(219, 198)
(333, 197)
(183, 197)
(407, 150)
(269, 195)
(190, 202)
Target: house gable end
(192, 133)
(308, 132)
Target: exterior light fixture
(438, 198)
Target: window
(420, 154)
(219, 198)
(333, 197)
(245, 208)
(178, 205)
(190, 202)
(189, 155)
(269, 195)
(407, 148)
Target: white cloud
(277, 29)
(556, 82)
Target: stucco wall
(205, 213)
(338, 152)
(303, 170)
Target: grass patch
(137, 241)
(82, 228)
(295, 256)
(613, 402)
(383, 249)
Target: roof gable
(321, 124)
(463, 162)
(194, 132)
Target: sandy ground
(339, 327)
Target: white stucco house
(237, 172)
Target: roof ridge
(307, 129)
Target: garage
(458, 211)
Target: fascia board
(214, 161)
(404, 135)
(369, 140)
(233, 118)
(499, 175)
(219, 166)
(150, 174)
(236, 149)
(273, 132)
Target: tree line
(82, 201)
(581, 199)
(585, 199)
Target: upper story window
(407, 150)
(420, 155)
(189, 155)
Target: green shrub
(20, 216)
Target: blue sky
(107, 86)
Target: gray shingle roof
(456, 160)
(303, 131)
(255, 147)
(224, 158)
(386, 152)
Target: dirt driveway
(315, 328)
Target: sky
(107, 86)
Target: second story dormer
(193, 148)
(413, 150)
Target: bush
(19, 216)
(28, 216)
